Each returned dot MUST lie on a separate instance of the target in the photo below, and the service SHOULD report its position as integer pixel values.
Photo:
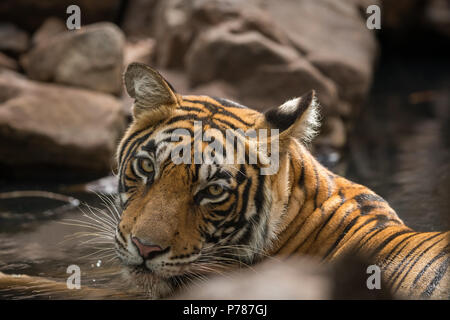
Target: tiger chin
(183, 221)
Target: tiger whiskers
(101, 225)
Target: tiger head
(183, 219)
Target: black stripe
(363, 197)
(128, 140)
(220, 109)
(415, 261)
(341, 236)
(189, 108)
(388, 240)
(397, 245)
(435, 282)
(363, 243)
(422, 272)
(400, 267)
(316, 175)
(331, 215)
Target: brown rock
(270, 86)
(50, 28)
(179, 22)
(139, 18)
(295, 278)
(7, 62)
(334, 36)
(91, 57)
(226, 53)
(352, 80)
(13, 39)
(46, 125)
(139, 51)
(333, 133)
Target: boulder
(139, 51)
(334, 37)
(271, 85)
(230, 53)
(139, 18)
(47, 125)
(270, 51)
(8, 62)
(91, 57)
(13, 39)
(50, 28)
(179, 22)
(293, 278)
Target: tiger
(181, 220)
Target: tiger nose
(144, 249)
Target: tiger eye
(146, 165)
(215, 190)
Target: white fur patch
(307, 128)
(289, 106)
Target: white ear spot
(309, 124)
(298, 117)
(289, 106)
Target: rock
(7, 62)
(179, 22)
(334, 37)
(139, 51)
(91, 57)
(286, 81)
(294, 278)
(50, 28)
(30, 14)
(333, 133)
(352, 80)
(47, 125)
(227, 53)
(268, 51)
(13, 39)
(139, 18)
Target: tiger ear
(297, 118)
(149, 89)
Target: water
(37, 237)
